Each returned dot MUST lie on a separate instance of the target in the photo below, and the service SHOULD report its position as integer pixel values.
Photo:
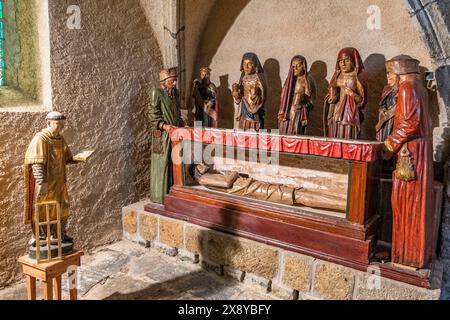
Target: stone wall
(285, 274)
(277, 30)
(101, 76)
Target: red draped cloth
(412, 206)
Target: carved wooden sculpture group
(403, 127)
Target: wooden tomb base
(324, 237)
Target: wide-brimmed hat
(165, 74)
(402, 64)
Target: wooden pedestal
(326, 238)
(50, 274)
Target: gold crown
(402, 64)
(167, 73)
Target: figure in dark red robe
(346, 97)
(296, 98)
(412, 181)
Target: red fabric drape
(293, 144)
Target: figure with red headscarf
(296, 98)
(250, 94)
(346, 97)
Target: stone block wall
(285, 274)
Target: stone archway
(433, 19)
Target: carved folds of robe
(412, 207)
(53, 153)
(386, 113)
(166, 109)
(344, 117)
(231, 182)
(206, 104)
(296, 101)
(249, 109)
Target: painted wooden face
(204, 74)
(170, 83)
(55, 126)
(248, 66)
(299, 67)
(346, 64)
(391, 79)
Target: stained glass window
(2, 47)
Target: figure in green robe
(165, 115)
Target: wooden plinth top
(355, 150)
(67, 260)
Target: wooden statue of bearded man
(413, 237)
(165, 116)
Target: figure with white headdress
(250, 94)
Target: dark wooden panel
(418, 278)
(177, 164)
(353, 253)
(357, 193)
(229, 204)
(385, 231)
(271, 229)
(372, 207)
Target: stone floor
(125, 270)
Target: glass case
(313, 195)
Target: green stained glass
(2, 47)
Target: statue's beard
(396, 85)
(170, 92)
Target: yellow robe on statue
(53, 153)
